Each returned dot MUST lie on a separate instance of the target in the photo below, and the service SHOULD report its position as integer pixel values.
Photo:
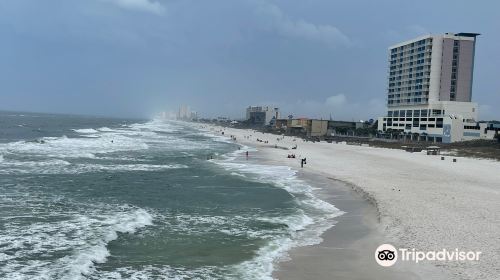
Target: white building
(185, 114)
(262, 115)
(430, 89)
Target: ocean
(99, 198)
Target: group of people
(262, 141)
(291, 155)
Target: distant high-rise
(185, 113)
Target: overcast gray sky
(312, 58)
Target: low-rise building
(262, 115)
(440, 121)
(317, 128)
(281, 124)
(340, 127)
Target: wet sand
(347, 250)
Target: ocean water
(96, 198)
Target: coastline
(429, 210)
(346, 250)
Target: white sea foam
(64, 147)
(82, 240)
(58, 166)
(304, 227)
(163, 272)
(81, 168)
(106, 129)
(85, 130)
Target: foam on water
(80, 239)
(85, 130)
(305, 227)
(106, 129)
(58, 166)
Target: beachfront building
(429, 90)
(262, 115)
(316, 128)
(303, 126)
(185, 114)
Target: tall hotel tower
(430, 88)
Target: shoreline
(343, 252)
(346, 251)
(423, 202)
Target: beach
(419, 202)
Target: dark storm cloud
(135, 57)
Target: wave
(82, 263)
(305, 227)
(58, 166)
(82, 239)
(64, 147)
(85, 130)
(106, 129)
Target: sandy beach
(418, 201)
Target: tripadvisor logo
(387, 255)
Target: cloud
(405, 32)
(277, 21)
(417, 29)
(486, 113)
(151, 6)
(338, 106)
(336, 100)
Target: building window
(439, 123)
(436, 112)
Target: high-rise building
(431, 68)
(185, 113)
(430, 89)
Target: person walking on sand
(301, 163)
(246, 154)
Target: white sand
(423, 202)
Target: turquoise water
(95, 198)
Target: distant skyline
(133, 58)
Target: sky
(316, 58)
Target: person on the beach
(246, 154)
